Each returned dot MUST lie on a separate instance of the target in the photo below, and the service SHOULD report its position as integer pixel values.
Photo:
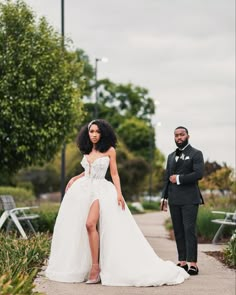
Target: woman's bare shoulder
(111, 151)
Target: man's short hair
(182, 127)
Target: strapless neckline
(91, 163)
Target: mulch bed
(220, 257)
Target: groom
(184, 169)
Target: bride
(95, 237)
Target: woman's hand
(73, 179)
(69, 184)
(121, 201)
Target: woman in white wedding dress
(95, 236)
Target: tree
(39, 99)
(210, 167)
(86, 76)
(222, 179)
(46, 178)
(127, 99)
(138, 136)
(132, 175)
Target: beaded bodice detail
(96, 169)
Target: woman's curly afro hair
(108, 138)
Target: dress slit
(99, 212)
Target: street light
(63, 150)
(103, 59)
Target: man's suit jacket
(189, 167)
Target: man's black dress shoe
(193, 271)
(185, 266)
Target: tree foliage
(211, 167)
(218, 178)
(127, 99)
(86, 76)
(132, 175)
(138, 136)
(39, 99)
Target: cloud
(182, 51)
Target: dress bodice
(96, 169)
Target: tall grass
(20, 260)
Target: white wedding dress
(126, 258)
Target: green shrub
(47, 216)
(207, 229)
(230, 252)
(26, 185)
(21, 195)
(133, 209)
(46, 220)
(154, 206)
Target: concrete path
(213, 279)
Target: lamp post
(62, 22)
(103, 59)
(63, 150)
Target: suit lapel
(187, 151)
(172, 164)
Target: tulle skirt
(126, 257)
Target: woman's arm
(115, 177)
(73, 179)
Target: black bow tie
(178, 152)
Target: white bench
(228, 220)
(15, 215)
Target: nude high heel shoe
(97, 279)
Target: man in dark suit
(184, 168)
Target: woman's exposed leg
(91, 226)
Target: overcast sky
(182, 51)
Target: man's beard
(182, 144)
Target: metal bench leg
(9, 224)
(3, 218)
(31, 226)
(18, 225)
(218, 233)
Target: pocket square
(182, 157)
(187, 158)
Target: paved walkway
(213, 278)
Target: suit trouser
(184, 219)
